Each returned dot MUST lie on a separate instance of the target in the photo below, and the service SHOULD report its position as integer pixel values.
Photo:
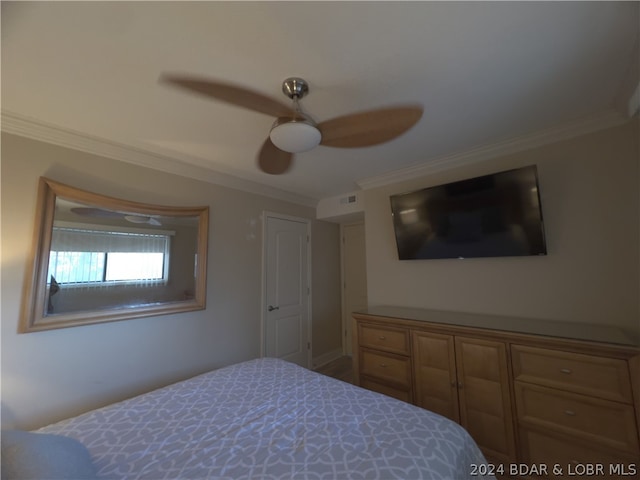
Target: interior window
(85, 256)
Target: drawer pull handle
(566, 371)
(571, 413)
(383, 365)
(382, 337)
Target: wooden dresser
(530, 392)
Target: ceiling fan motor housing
(294, 87)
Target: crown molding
(20, 125)
(583, 126)
(31, 128)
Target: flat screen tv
(497, 215)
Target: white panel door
(287, 318)
(354, 272)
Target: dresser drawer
(389, 339)
(543, 449)
(399, 393)
(586, 374)
(388, 367)
(603, 422)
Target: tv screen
(494, 215)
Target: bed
(267, 418)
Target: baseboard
(325, 358)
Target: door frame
(266, 215)
(346, 323)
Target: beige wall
(589, 192)
(47, 376)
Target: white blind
(84, 240)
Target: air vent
(338, 207)
(349, 199)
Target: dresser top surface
(550, 328)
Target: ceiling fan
(99, 212)
(295, 131)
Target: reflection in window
(84, 256)
(134, 266)
(76, 267)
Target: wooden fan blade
(96, 212)
(272, 160)
(369, 128)
(229, 93)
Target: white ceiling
(486, 73)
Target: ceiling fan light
(295, 136)
(136, 219)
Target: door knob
(271, 308)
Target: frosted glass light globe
(295, 136)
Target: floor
(340, 368)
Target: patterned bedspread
(268, 418)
